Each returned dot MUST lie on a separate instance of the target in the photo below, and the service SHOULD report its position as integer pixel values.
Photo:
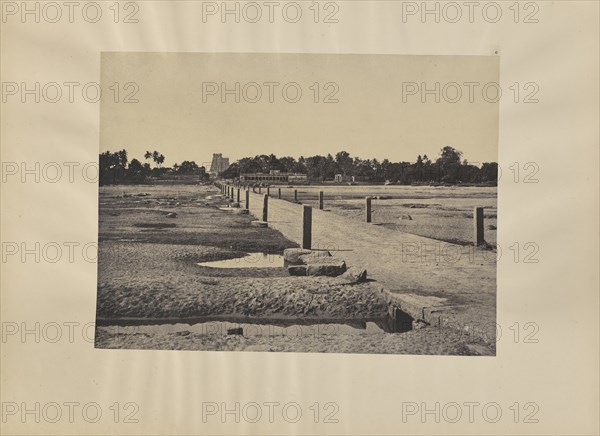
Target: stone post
(279, 193)
(265, 207)
(306, 227)
(321, 200)
(478, 226)
(368, 209)
(248, 199)
(295, 195)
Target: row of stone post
(306, 212)
(235, 194)
(478, 227)
(321, 202)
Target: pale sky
(370, 120)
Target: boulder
(292, 255)
(171, 215)
(323, 260)
(297, 270)
(315, 257)
(354, 275)
(235, 331)
(332, 269)
(260, 224)
(406, 217)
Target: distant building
(218, 164)
(340, 178)
(275, 176)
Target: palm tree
(122, 157)
(159, 159)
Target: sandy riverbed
(147, 270)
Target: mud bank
(285, 297)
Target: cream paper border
(560, 214)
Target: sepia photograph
(298, 202)
(309, 217)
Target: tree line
(116, 167)
(449, 167)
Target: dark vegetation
(448, 168)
